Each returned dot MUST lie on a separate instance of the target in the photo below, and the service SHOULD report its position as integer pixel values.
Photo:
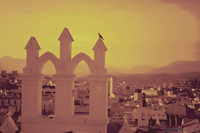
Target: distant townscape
(100, 66)
(132, 106)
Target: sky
(135, 32)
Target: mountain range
(179, 67)
(9, 64)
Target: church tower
(64, 119)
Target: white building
(64, 120)
(151, 92)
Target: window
(143, 116)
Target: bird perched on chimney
(100, 36)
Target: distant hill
(139, 69)
(142, 69)
(156, 79)
(10, 64)
(171, 73)
(172, 68)
(179, 67)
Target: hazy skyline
(136, 33)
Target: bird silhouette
(100, 36)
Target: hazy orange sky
(136, 32)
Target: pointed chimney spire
(32, 44)
(100, 45)
(65, 46)
(99, 53)
(32, 49)
(65, 35)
